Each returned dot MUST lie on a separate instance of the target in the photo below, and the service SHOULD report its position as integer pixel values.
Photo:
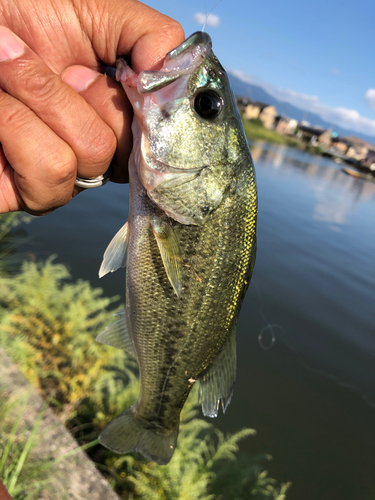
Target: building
(242, 102)
(284, 125)
(265, 112)
(340, 144)
(316, 136)
(358, 148)
(369, 161)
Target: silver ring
(92, 183)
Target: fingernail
(10, 47)
(79, 77)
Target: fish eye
(208, 104)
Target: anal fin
(115, 255)
(218, 380)
(116, 334)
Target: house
(369, 161)
(265, 112)
(284, 125)
(317, 136)
(358, 148)
(341, 145)
(242, 102)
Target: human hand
(59, 116)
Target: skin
(59, 116)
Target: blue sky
(319, 56)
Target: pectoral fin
(115, 255)
(116, 334)
(169, 251)
(218, 380)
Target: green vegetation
(51, 331)
(10, 237)
(23, 476)
(256, 131)
(48, 326)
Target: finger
(27, 78)
(131, 27)
(150, 49)
(108, 99)
(8, 200)
(37, 167)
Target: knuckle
(60, 166)
(14, 117)
(102, 149)
(39, 209)
(43, 87)
(173, 31)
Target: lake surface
(306, 333)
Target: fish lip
(179, 62)
(197, 38)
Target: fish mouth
(194, 40)
(179, 62)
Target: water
(306, 335)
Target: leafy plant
(49, 327)
(10, 237)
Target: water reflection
(336, 192)
(316, 251)
(306, 337)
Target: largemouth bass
(190, 241)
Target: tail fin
(128, 433)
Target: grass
(27, 470)
(23, 476)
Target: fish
(188, 246)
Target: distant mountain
(257, 93)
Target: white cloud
(212, 20)
(370, 98)
(346, 118)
